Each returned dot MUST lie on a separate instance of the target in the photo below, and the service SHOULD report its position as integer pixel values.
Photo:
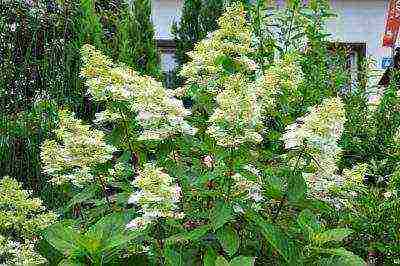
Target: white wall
(358, 21)
(361, 21)
(165, 12)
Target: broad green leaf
(192, 235)
(68, 262)
(332, 235)
(308, 223)
(220, 215)
(346, 257)
(64, 238)
(210, 257)
(173, 257)
(242, 261)
(87, 194)
(277, 239)
(296, 187)
(221, 261)
(110, 233)
(228, 239)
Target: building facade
(359, 23)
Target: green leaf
(277, 239)
(87, 194)
(68, 262)
(172, 257)
(220, 215)
(308, 223)
(242, 261)
(346, 257)
(332, 235)
(110, 233)
(192, 235)
(64, 238)
(221, 261)
(296, 187)
(209, 257)
(229, 239)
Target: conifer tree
(137, 46)
(199, 17)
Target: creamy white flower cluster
(237, 117)
(19, 254)
(21, 220)
(159, 113)
(157, 196)
(251, 189)
(317, 133)
(232, 41)
(242, 100)
(76, 150)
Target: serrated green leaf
(242, 261)
(220, 215)
(228, 239)
(308, 223)
(64, 238)
(332, 235)
(221, 261)
(210, 257)
(296, 187)
(277, 239)
(192, 235)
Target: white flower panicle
(232, 40)
(157, 196)
(78, 147)
(237, 118)
(22, 218)
(318, 133)
(160, 114)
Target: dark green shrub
(136, 44)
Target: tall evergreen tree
(199, 17)
(137, 46)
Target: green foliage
(198, 19)
(248, 176)
(136, 43)
(101, 244)
(22, 219)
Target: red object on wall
(392, 24)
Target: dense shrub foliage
(266, 155)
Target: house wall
(360, 21)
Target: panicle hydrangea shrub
(22, 218)
(77, 149)
(318, 133)
(159, 113)
(244, 93)
(157, 196)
